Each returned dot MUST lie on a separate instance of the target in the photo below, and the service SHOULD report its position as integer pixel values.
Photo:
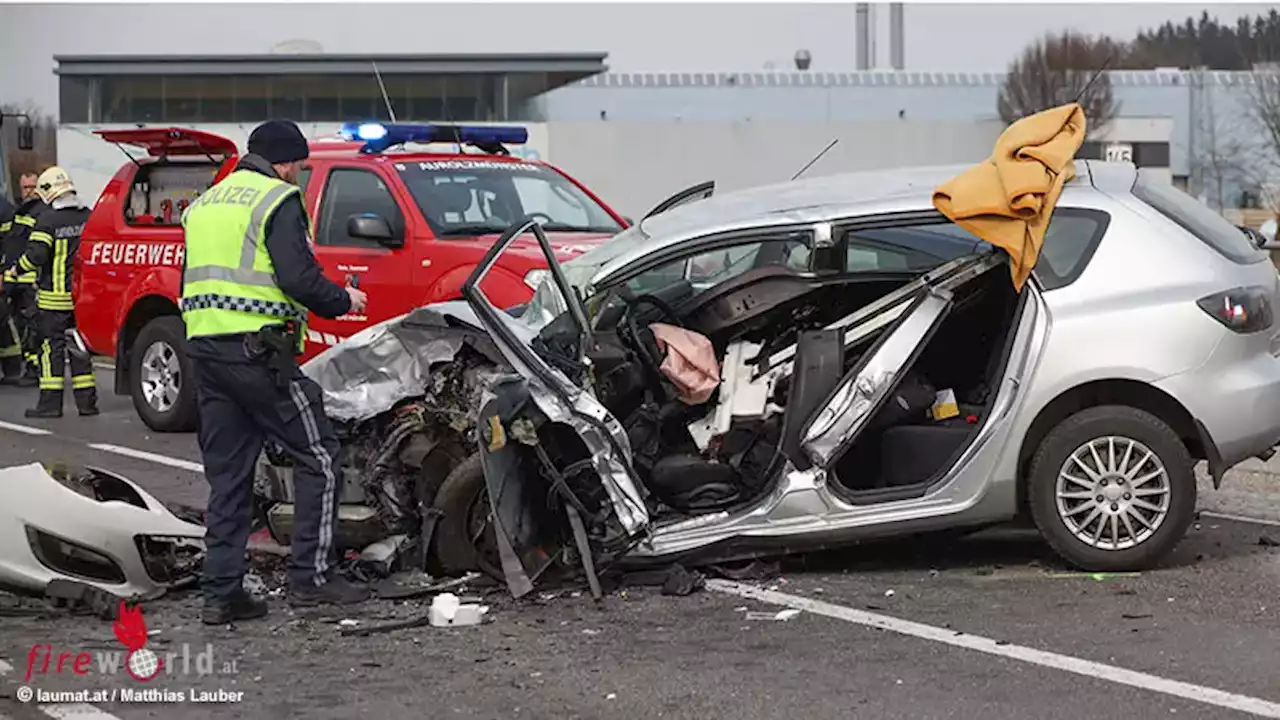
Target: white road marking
(1079, 666)
(24, 428)
(5, 668)
(79, 711)
(1238, 518)
(149, 456)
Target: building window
(73, 99)
(252, 98)
(301, 98)
(132, 99)
(218, 103)
(182, 97)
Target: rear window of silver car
(1198, 219)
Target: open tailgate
(171, 141)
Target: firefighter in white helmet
(51, 253)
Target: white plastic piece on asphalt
(1079, 666)
(1239, 518)
(194, 467)
(79, 711)
(27, 429)
(5, 668)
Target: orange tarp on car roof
(1008, 198)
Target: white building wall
(634, 165)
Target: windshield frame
(497, 176)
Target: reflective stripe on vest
(229, 284)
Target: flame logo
(131, 630)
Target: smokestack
(863, 33)
(897, 52)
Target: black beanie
(278, 142)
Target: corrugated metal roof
(889, 78)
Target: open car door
(520, 475)
(913, 314)
(701, 191)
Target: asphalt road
(985, 627)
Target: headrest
(453, 197)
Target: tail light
(1243, 310)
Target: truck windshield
(465, 198)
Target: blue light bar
(380, 136)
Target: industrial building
(636, 136)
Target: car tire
(1173, 493)
(161, 347)
(457, 498)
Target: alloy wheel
(1113, 493)
(161, 376)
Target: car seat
(450, 198)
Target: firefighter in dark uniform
(249, 278)
(10, 340)
(51, 254)
(18, 301)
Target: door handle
(353, 281)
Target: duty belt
(278, 345)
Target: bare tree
(1263, 88)
(45, 152)
(1222, 159)
(1059, 69)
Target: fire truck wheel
(159, 376)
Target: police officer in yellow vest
(51, 253)
(248, 281)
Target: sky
(658, 37)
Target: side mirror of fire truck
(370, 226)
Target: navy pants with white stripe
(240, 405)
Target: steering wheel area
(648, 351)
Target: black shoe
(42, 412)
(242, 606)
(88, 412)
(336, 591)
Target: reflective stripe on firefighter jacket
(13, 239)
(229, 285)
(51, 254)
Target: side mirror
(373, 227)
(1257, 238)
(26, 137)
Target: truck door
(383, 268)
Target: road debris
(448, 611)
(781, 615)
(674, 580)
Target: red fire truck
(407, 223)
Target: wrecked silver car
(776, 370)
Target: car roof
(830, 197)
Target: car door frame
(559, 400)
(691, 194)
